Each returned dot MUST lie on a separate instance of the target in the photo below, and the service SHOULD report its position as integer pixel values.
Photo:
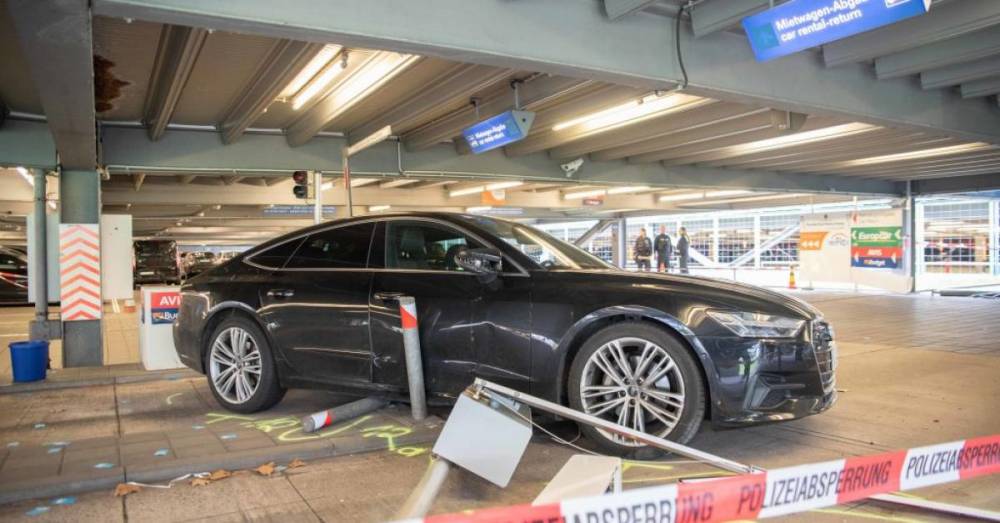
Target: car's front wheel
(637, 375)
(240, 367)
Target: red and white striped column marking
(80, 271)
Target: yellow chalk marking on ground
(678, 476)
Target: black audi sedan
(506, 302)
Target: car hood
(711, 286)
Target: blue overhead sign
(801, 24)
(498, 131)
(296, 210)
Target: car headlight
(755, 325)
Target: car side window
(338, 248)
(276, 256)
(424, 246)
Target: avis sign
(876, 247)
(163, 307)
(803, 24)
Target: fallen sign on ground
(772, 493)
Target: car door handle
(280, 293)
(388, 296)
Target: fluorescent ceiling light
(482, 208)
(26, 175)
(377, 208)
(584, 194)
(482, 188)
(782, 196)
(359, 182)
(916, 155)
(310, 70)
(318, 84)
(326, 186)
(397, 183)
(51, 204)
(701, 195)
(628, 112)
(629, 189)
(816, 135)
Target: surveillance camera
(570, 168)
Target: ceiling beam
(984, 87)
(176, 55)
(966, 48)
(557, 37)
(981, 182)
(960, 73)
(137, 180)
(711, 16)
(281, 65)
(27, 144)
(374, 73)
(460, 83)
(942, 22)
(56, 41)
(535, 92)
(184, 150)
(616, 9)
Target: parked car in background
(13, 276)
(500, 300)
(196, 263)
(156, 261)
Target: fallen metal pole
(481, 385)
(422, 497)
(414, 361)
(347, 411)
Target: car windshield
(547, 251)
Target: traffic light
(301, 188)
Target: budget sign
(163, 306)
(802, 24)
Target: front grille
(822, 335)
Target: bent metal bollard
(414, 361)
(347, 411)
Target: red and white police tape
(765, 494)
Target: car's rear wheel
(240, 367)
(636, 374)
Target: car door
(316, 306)
(418, 257)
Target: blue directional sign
(297, 210)
(802, 24)
(498, 131)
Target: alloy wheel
(635, 383)
(235, 365)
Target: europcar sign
(802, 24)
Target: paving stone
(248, 443)
(90, 443)
(95, 455)
(140, 437)
(215, 449)
(193, 441)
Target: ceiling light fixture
(392, 184)
(482, 188)
(314, 66)
(630, 112)
(701, 195)
(781, 196)
(377, 208)
(627, 190)
(360, 182)
(916, 155)
(584, 194)
(316, 85)
(326, 186)
(26, 175)
(800, 138)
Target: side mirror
(486, 264)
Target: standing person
(683, 245)
(663, 248)
(643, 250)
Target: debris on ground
(124, 489)
(266, 469)
(200, 482)
(219, 474)
(296, 463)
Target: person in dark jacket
(664, 248)
(643, 250)
(683, 246)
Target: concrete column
(756, 242)
(622, 243)
(910, 215)
(994, 242)
(80, 196)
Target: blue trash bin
(29, 359)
